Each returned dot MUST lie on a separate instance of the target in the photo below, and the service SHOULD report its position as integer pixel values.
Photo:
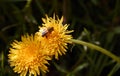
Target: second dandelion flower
(55, 36)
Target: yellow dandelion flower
(55, 35)
(27, 56)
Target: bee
(46, 30)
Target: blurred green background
(94, 21)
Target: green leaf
(80, 67)
(115, 68)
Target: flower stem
(98, 48)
